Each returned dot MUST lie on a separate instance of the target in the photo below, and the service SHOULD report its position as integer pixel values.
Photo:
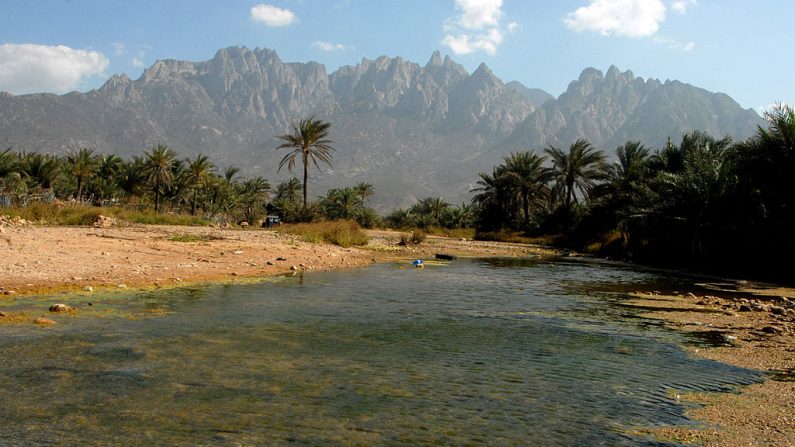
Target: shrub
(345, 233)
(417, 236)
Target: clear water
(477, 352)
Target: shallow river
(477, 352)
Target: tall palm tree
(81, 164)
(309, 140)
(198, 174)
(525, 178)
(157, 167)
(575, 172)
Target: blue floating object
(418, 262)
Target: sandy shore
(38, 260)
(757, 324)
(754, 327)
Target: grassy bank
(345, 233)
(52, 214)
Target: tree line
(161, 180)
(702, 202)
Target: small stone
(3, 314)
(234, 274)
(9, 292)
(61, 308)
(292, 267)
(772, 330)
(281, 259)
(43, 321)
(122, 286)
(776, 310)
(88, 289)
(745, 308)
(238, 252)
(269, 263)
(691, 295)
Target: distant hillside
(410, 130)
(536, 96)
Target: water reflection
(503, 352)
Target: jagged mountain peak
(435, 61)
(115, 81)
(412, 131)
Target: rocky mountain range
(410, 130)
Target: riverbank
(747, 325)
(754, 326)
(42, 260)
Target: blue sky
(739, 47)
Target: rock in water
(43, 321)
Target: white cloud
(271, 15)
(477, 27)
(137, 62)
(29, 68)
(681, 6)
(479, 14)
(119, 48)
(329, 46)
(675, 44)
(470, 43)
(631, 18)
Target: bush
(416, 237)
(79, 214)
(345, 233)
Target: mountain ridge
(409, 129)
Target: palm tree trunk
(306, 174)
(157, 195)
(193, 206)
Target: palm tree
(157, 168)
(40, 169)
(432, 209)
(8, 162)
(198, 174)
(253, 193)
(309, 141)
(575, 172)
(525, 178)
(81, 164)
(131, 178)
(342, 203)
(364, 190)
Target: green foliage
(344, 233)
(705, 203)
(310, 142)
(414, 238)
